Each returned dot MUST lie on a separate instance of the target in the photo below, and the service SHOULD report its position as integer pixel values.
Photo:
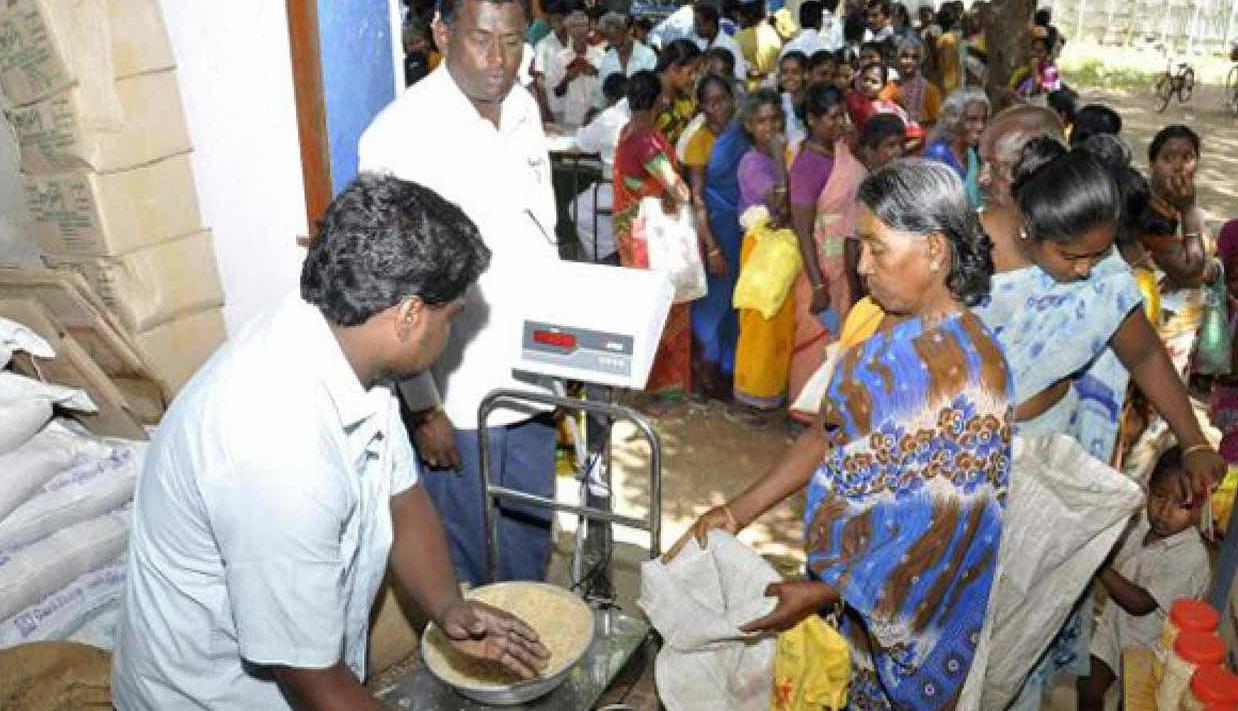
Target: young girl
(792, 69)
(866, 102)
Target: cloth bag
(697, 603)
(768, 276)
(671, 244)
(1065, 512)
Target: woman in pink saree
(829, 220)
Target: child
(844, 71)
(1163, 559)
(915, 93)
(822, 66)
(866, 102)
(1041, 75)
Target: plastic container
(1212, 687)
(1192, 650)
(1184, 614)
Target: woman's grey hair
(953, 109)
(923, 197)
(612, 22)
(755, 100)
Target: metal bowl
(521, 691)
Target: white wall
(236, 85)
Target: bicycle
(1181, 83)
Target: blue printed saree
(904, 514)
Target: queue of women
(987, 290)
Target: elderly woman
(763, 354)
(907, 469)
(645, 166)
(954, 138)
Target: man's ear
(441, 33)
(408, 313)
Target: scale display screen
(608, 354)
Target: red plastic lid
(1213, 684)
(1196, 615)
(1199, 648)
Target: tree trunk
(1008, 41)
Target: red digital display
(558, 340)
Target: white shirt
(728, 43)
(832, 31)
(261, 522)
(432, 135)
(578, 98)
(601, 135)
(808, 41)
(545, 55)
(642, 59)
(677, 25)
(881, 35)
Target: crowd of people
(989, 265)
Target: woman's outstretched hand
(796, 601)
(718, 517)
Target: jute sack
(55, 676)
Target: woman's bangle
(730, 516)
(712, 252)
(1196, 448)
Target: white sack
(42, 457)
(697, 602)
(61, 613)
(813, 392)
(26, 405)
(99, 630)
(89, 489)
(33, 571)
(1065, 512)
(17, 337)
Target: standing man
(281, 481)
(463, 132)
(707, 31)
(545, 53)
(626, 55)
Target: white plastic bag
(26, 405)
(813, 392)
(43, 456)
(697, 603)
(1065, 512)
(41, 568)
(61, 613)
(91, 488)
(673, 248)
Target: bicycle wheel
(1230, 97)
(1164, 90)
(1187, 85)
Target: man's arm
(419, 553)
(323, 689)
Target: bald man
(1000, 147)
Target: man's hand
(435, 439)
(796, 601)
(486, 632)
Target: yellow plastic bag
(1145, 279)
(812, 668)
(767, 277)
(1223, 501)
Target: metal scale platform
(606, 338)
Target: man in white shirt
(880, 22)
(601, 136)
(809, 40)
(625, 56)
(281, 481)
(545, 52)
(572, 77)
(463, 132)
(707, 30)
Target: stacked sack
(65, 496)
(105, 161)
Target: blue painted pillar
(358, 79)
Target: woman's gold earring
(934, 266)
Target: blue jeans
(522, 457)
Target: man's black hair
(383, 240)
(447, 8)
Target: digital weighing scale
(598, 325)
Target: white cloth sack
(41, 568)
(89, 489)
(48, 453)
(697, 602)
(1065, 512)
(673, 248)
(99, 630)
(60, 614)
(26, 405)
(17, 337)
